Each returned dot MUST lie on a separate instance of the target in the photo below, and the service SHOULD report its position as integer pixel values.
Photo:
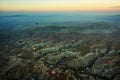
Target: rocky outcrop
(45, 60)
(106, 67)
(12, 61)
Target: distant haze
(55, 18)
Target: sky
(59, 5)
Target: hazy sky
(59, 5)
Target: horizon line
(59, 10)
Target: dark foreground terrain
(87, 52)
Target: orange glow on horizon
(80, 6)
